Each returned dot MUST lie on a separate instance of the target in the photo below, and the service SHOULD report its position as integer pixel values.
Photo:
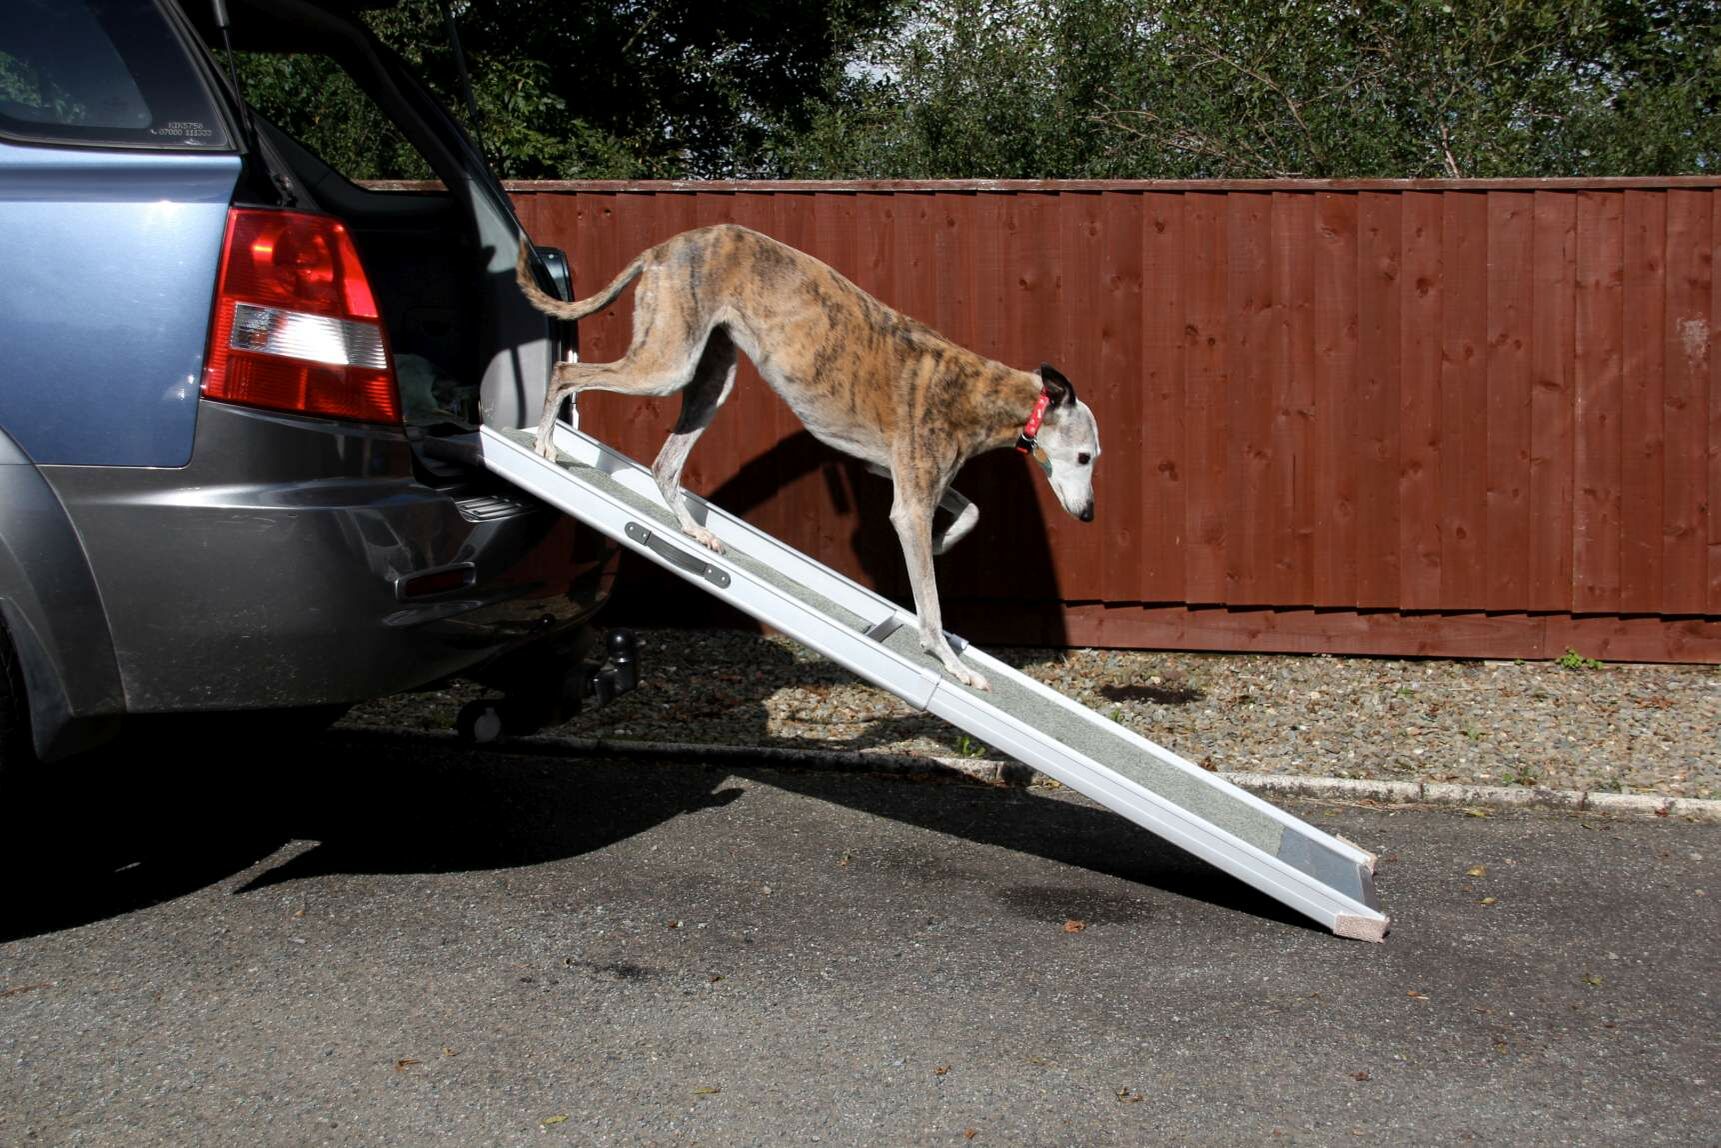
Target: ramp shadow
(1062, 831)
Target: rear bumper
(267, 572)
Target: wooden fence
(1458, 418)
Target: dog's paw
(706, 539)
(545, 447)
(973, 679)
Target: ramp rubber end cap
(1362, 928)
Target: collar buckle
(1031, 429)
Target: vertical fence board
(1686, 490)
(1293, 431)
(1163, 462)
(1598, 343)
(1078, 353)
(993, 274)
(1335, 464)
(1714, 410)
(953, 257)
(1420, 407)
(1121, 478)
(1511, 246)
(1551, 402)
(1464, 402)
(1205, 385)
(1642, 429)
(1253, 513)
(1378, 303)
(1034, 321)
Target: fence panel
(1467, 418)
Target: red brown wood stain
(1459, 419)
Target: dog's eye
(1084, 458)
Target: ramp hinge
(676, 556)
(886, 628)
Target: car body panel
(163, 553)
(110, 262)
(265, 573)
(52, 610)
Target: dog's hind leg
(713, 379)
(660, 360)
(627, 376)
(911, 514)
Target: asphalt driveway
(393, 941)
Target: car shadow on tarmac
(115, 837)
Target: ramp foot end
(1362, 928)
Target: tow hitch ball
(551, 699)
(619, 672)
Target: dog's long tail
(579, 308)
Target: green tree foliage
(1246, 88)
(634, 89)
(619, 89)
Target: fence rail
(1478, 419)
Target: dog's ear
(1063, 391)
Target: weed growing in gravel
(1572, 660)
(968, 747)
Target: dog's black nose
(1087, 514)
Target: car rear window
(102, 72)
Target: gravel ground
(1622, 729)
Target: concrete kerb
(1016, 775)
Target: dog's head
(1068, 445)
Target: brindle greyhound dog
(861, 377)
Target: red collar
(1025, 441)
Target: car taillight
(296, 327)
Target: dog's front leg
(913, 524)
(966, 516)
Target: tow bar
(554, 698)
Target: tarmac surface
(381, 942)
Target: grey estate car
(237, 390)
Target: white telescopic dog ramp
(1314, 873)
